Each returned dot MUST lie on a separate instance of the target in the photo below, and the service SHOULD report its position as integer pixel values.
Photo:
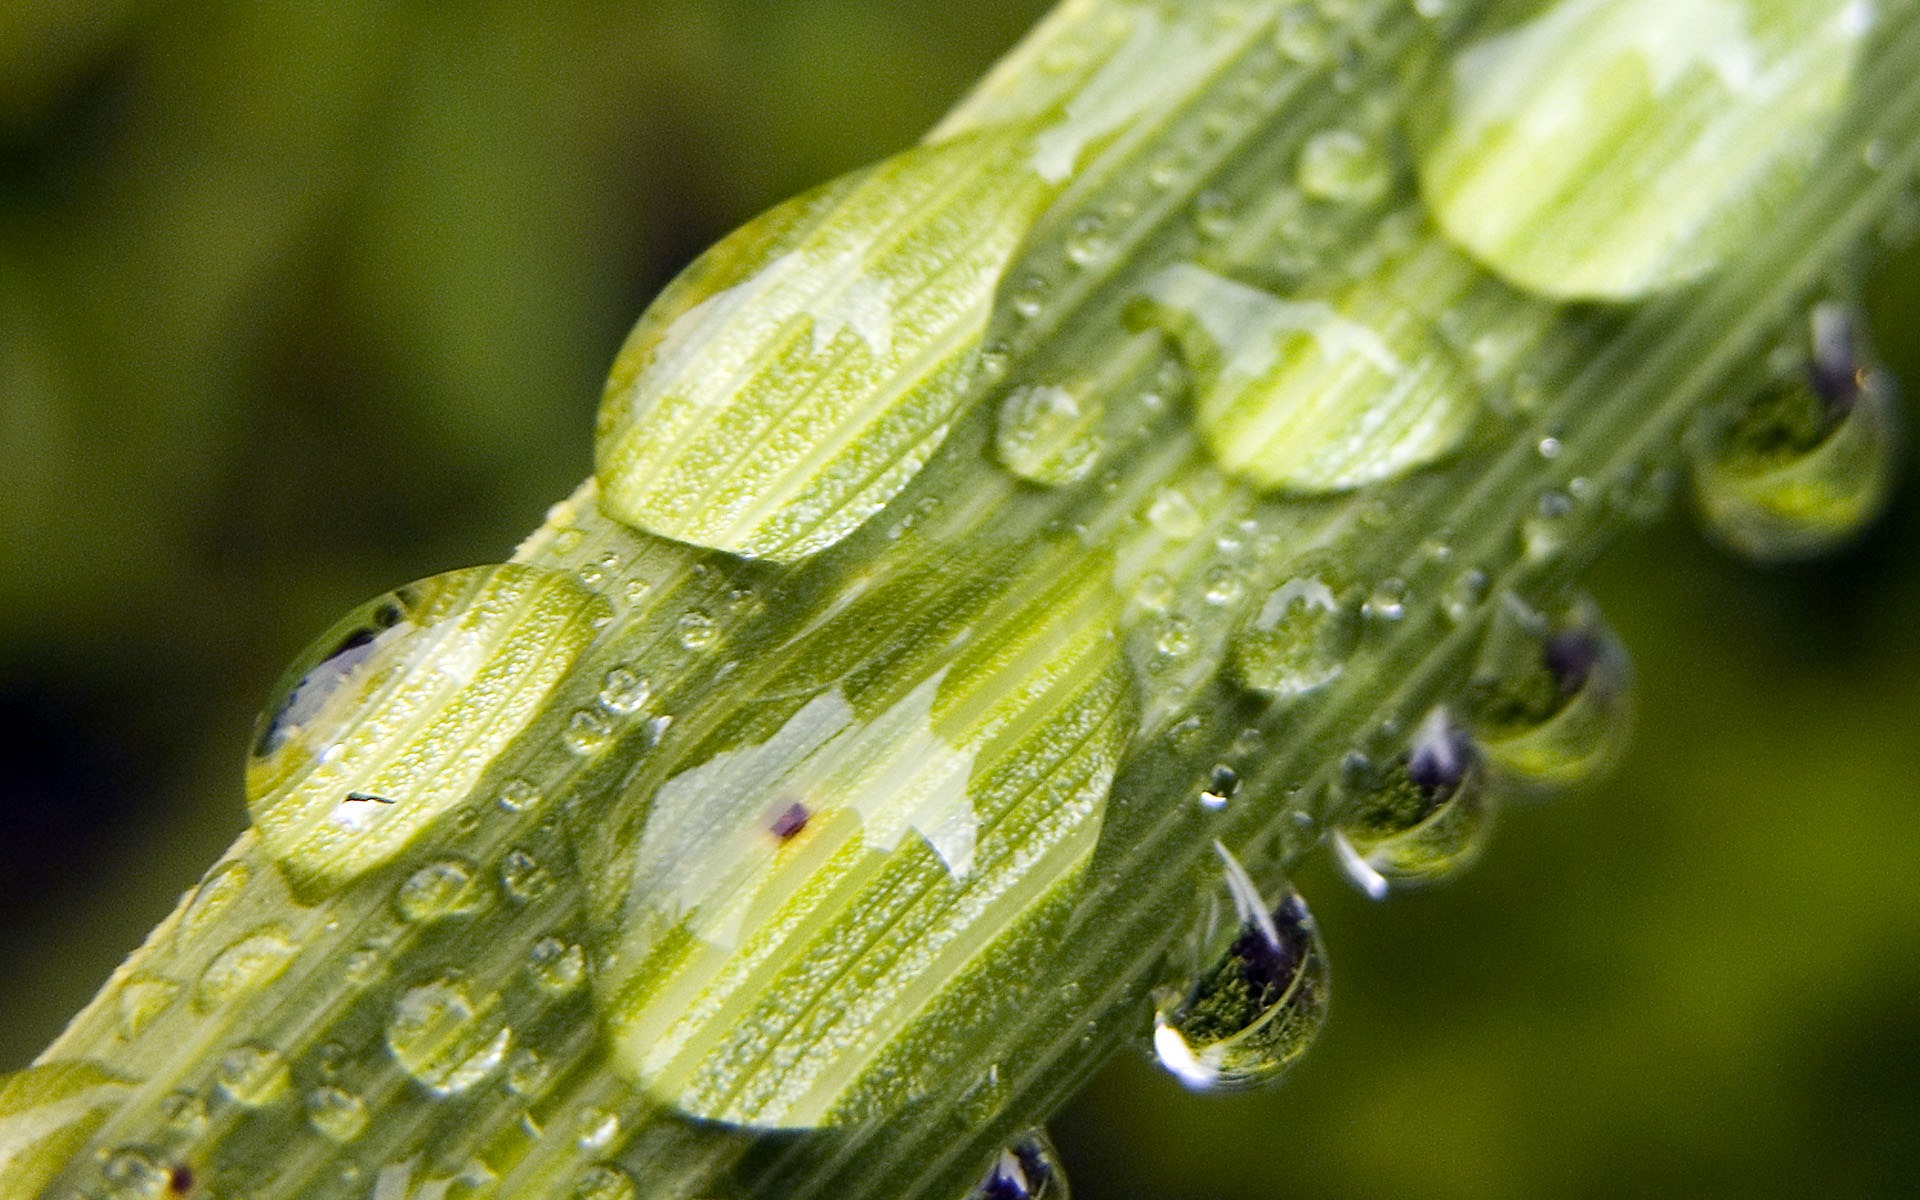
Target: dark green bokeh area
(301, 301)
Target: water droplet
(1223, 784)
(518, 796)
(523, 877)
(1087, 243)
(1297, 641)
(1424, 819)
(444, 1039)
(588, 732)
(245, 966)
(599, 1130)
(1302, 36)
(338, 1114)
(184, 1114)
(1465, 594)
(1340, 166)
(623, 693)
(1174, 515)
(252, 1076)
(1224, 584)
(1027, 1170)
(1045, 436)
(1175, 637)
(1549, 448)
(1255, 1007)
(391, 718)
(1808, 463)
(697, 631)
(604, 1181)
(1154, 592)
(133, 1174)
(142, 998)
(1548, 529)
(558, 967)
(1550, 701)
(1029, 296)
(1213, 214)
(1387, 602)
(527, 1074)
(441, 889)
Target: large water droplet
(1253, 1010)
(1047, 436)
(1550, 702)
(1297, 641)
(1806, 465)
(392, 717)
(1423, 818)
(1029, 1169)
(444, 1038)
(244, 967)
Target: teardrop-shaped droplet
(1322, 392)
(1029, 1169)
(1810, 462)
(1550, 702)
(446, 1039)
(393, 716)
(1609, 148)
(1047, 435)
(1298, 640)
(1423, 818)
(797, 376)
(1253, 1010)
(47, 1113)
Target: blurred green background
(301, 301)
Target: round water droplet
(599, 1130)
(184, 1114)
(244, 967)
(1424, 818)
(1029, 1169)
(216, 893)
(558, 967)
(1297, 641)
(1154, 592)
(518, 796)
(135, 1174)
(1550, 702)
(1029, 296)
(1213, 214)
(445, 1039)
(441, 889)
(697, 631)
(1387, 602)
(1223, 784)
(523, 877)
(1175, 637)
(142, 998)
(1809, 463)
(588, 732)
(1341, 166)
(391, 718)
(1547, 530)
(604, 1181)
(1255, 1005)
(1046, 436)
(527, 1074)
(623, 693)
(253, 1076)
(1465, 594)
(338, 1114)
(1173, 515)
(1087, 243)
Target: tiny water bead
(1250, 1013)
(1807, 464)
(444, 1038)
(47, 1113)
(253, 1076)
(1029, 1169)
(1422, 818)
(1046, 435)
(338, 1114)
(1298, 640)
(390, 718)
(1550, 702)
(1608, 148)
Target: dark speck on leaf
(790, 822)
(180, 1179)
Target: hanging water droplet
(338, 1114)
(441, 889)
(445, 1039)
(604, 1181)
(390, 719)
(1341, 166)
(1252, 1010)
(1424, 818)
(1809, 463)
(1046, 436)
(1298, 641)
(1029, 1169)
(1550, 701)
(244, 967)
(252, 1076)
(142, 998)
(558, 967)
(623, 693)
(523, 877)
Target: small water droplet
(599, 1130)
(1045, 436)
(1297, 641)
(142, 998)
(215, 895)
(604, 1181)
(1341, 166)
(1465, 594)
(697, 631)
(184, 1114)
(1302, 36)
(338, 1114)
(1256, 1004)
(523, 877)
(134, 1174)
(1029, 296)
(1223, 783)
(444, 1039)
(1423, 818)
(1546, 532)
(1809, 463)
(1213, 214)
(1154, 592)
(252, 1076)
(588, 732)
(1174, 515)
(518, 796)
(1224, 584)
(623, 693)
(1029, 1169)
(244, 967)
(1087, 243)
(1388, 601)
(441, 889)
(559, 967)
(527, 1074)
(1175, 637)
